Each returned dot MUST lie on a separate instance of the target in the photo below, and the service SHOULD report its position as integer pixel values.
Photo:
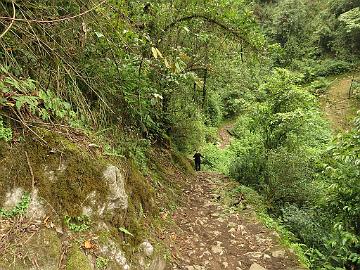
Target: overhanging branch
(211, 21)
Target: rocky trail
(224, 135)
(211, 235)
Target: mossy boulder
(63, 172)
(76, 259)
(44, 248)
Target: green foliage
(356, 89)
(319, 86)
(216, 159)
(331, 67)
(5, 132)
(234, 104)
(142, 74)
(125, 231)
(188, 131)
(351, 19)
(249, 161)
(24, 96)
(274, 143)
(306, 224)
(101, 263)
(78, 224)
(213, 111)
(19, 208)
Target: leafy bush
(188, 129)
(331, 67)
(314, 70)
(356, 89)
(24, 95)
(306, 224)
(319, 85)
(234, 103)
(213, 111)
(5, 133)
(289, 177)
(249, 161)
(216, 159)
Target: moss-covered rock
(63, 173)
(76, 259)
(44, 248)
(72, 180)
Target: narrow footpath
(210, 235)
(338, 107)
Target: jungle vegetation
(170, 72)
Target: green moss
(4, 147)
(141, 207)
(76, 259)
(66, 173)
(182, 161)
(74, 171)
(44, 246)
(47, 248)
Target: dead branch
(12, 20)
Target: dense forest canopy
(170, 72)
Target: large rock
(279, 254)
(116, 199)
(12, 198)
(36, 206)
(116, 180)
(112, 251)
(256, 266)
(76, 259)
(147, 248)
(35, 209)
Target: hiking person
(197, 159)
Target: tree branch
(12, 20)
(209, 20)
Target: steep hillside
(66, 204)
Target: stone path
(209, 236)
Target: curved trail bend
(338, 107)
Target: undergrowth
(19, 209)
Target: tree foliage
(144, 72)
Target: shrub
(331, 67)
(213, 113)
(5, 133)
(306, 224)
(216, 159)
(319, 86)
